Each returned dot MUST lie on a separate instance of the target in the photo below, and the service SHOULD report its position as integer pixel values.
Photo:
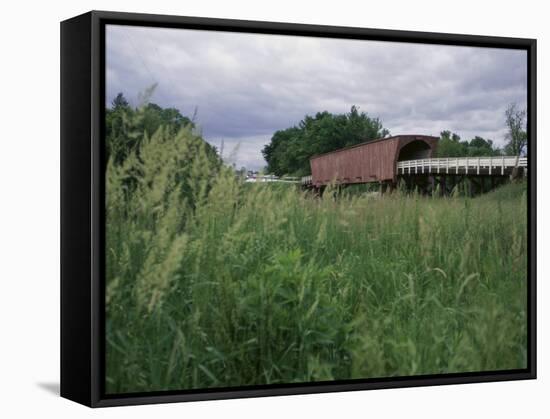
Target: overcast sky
(247, 86)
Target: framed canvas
(254, 208)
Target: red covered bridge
(407, 156)
(373, 161)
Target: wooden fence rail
(496, 166)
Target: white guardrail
(468, 165)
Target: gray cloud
(247, 86)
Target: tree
(480, 147)
(126, 128)
(289, 150)
(117, 133)
(119, 102)
(450, 145)
(516, 136)
(154, 116)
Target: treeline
(290, 149)
(127, 127)
(450, 145)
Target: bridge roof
(393, 137)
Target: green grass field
(216, 283)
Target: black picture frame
(82, 201)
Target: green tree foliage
(126, 127)
(290, 150)
(120, 102)
(479, 146)
(450, 145)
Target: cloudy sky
(247, 86)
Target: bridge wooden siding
(372, 161)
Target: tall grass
(212, 282)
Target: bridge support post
(478, 185)
(386, 187)
(442, 186)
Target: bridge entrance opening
(415, 150)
